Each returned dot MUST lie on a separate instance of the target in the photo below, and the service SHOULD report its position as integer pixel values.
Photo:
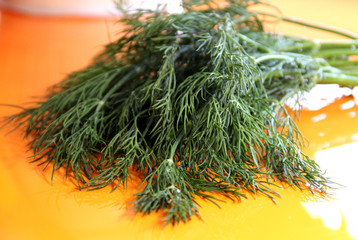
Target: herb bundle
(195, 102)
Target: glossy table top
(36, 52)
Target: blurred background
(61, 7)
(41, 41)
(81, 7)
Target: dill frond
(194, 101)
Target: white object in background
(340, 164)
(85, 7)
(322, 95)
(61, 7)
(172, 6)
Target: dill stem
(325, 45)
(336, 51)
(339, 78)
(175, 146)
(321, 27)
(119, 84)
(343, 63)
(272, 57)
(317, 45)
(352, 73)
(301, 47)
(249, 40)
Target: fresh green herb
(195, 102)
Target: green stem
(343, 63)
(320, 27)
(337, 52)
(325, 28)
(175, 146)
(317, 45)
(254, 43)
(118, 85)
(300, 47)
(272, 57)
(352, 73)
(351, 45)
(339, 78)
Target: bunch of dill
(193, 101)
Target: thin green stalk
(329, 45)
(339, 78)
(321, 27)
(343, 64)
(272, 57)
(248, 40)
(319, 46)
(352, 73)
(336, 52)
(301, 47)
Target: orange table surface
(36, 52)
